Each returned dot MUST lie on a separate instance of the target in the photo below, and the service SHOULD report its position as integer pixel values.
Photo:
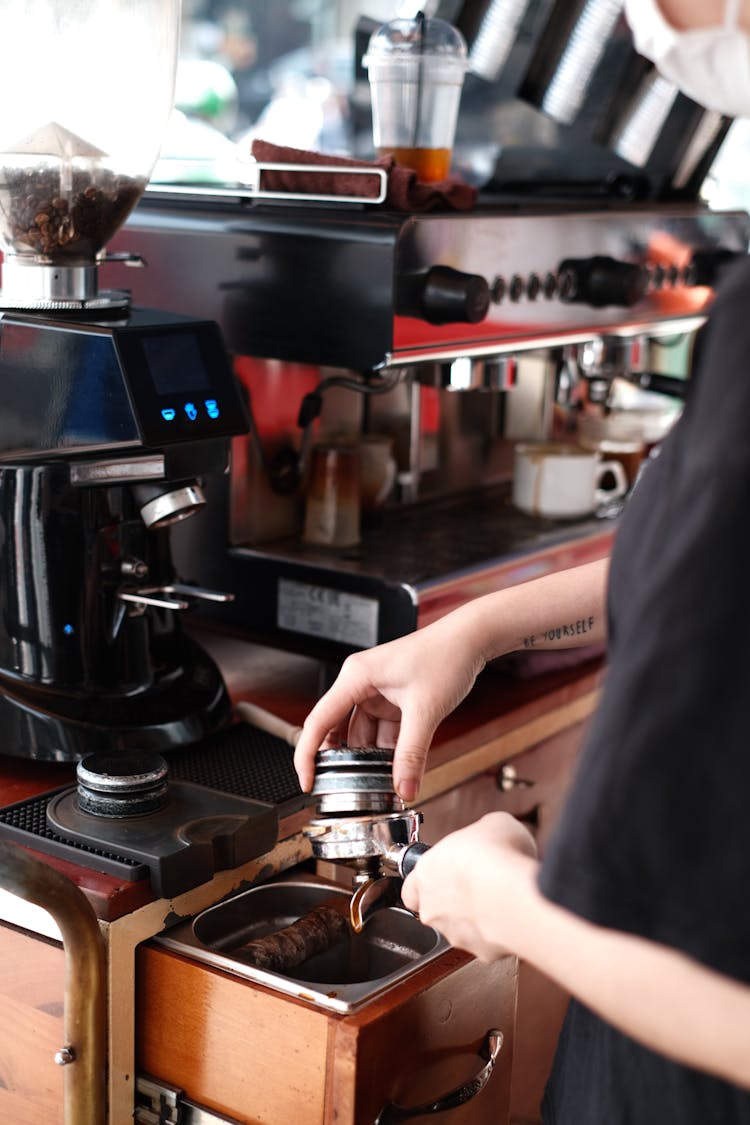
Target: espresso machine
(376, 315)
(110, 415)
(589, 258)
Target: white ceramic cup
(563, 481)
(377, 470)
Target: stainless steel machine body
(511, 304)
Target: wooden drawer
(531, 786)
(32, 988)
(258, 1056)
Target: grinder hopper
(80, 133)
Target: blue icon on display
(191, 411)
(68, 630)
(212, 407)
(169, 414)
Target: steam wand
(286, 468)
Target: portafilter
(363, 824)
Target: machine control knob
(452, 296)
(601, 281)
(706, 265)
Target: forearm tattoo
(569, 631)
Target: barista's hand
(394, 695)
(472, 886)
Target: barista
(640, 908)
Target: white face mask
(711, 65)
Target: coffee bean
(39, 218)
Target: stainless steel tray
(393, 945)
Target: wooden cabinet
(254, 1055)
(533, 787)
(32, 985)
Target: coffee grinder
(109, 415)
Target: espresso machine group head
(110, 416)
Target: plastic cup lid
(409, 39)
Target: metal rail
(250, 189)
(83, 1052)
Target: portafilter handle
(404, 859)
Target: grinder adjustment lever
(135, 600)
(174, 595)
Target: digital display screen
(179, 379)
(175, 363)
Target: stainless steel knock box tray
(393, 945)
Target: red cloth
(404, 191)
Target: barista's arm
(479, 888)
(396, 694)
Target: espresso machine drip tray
(441, 540)
(220, 808)
(406, 572)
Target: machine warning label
(319, 611)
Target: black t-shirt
(655, 838)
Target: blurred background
(290, 71)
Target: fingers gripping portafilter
(363, 824)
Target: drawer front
(256, 1056)
(420, 1050)
(32, 990)
(237, 1049)
(531, 786)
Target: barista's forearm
(564, 610)
(654, 994)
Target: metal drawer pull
(508, 779)
(392, 1114)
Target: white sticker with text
(319, 611)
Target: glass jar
(86, 88)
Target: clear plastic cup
(332, 507)
(416, 70)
